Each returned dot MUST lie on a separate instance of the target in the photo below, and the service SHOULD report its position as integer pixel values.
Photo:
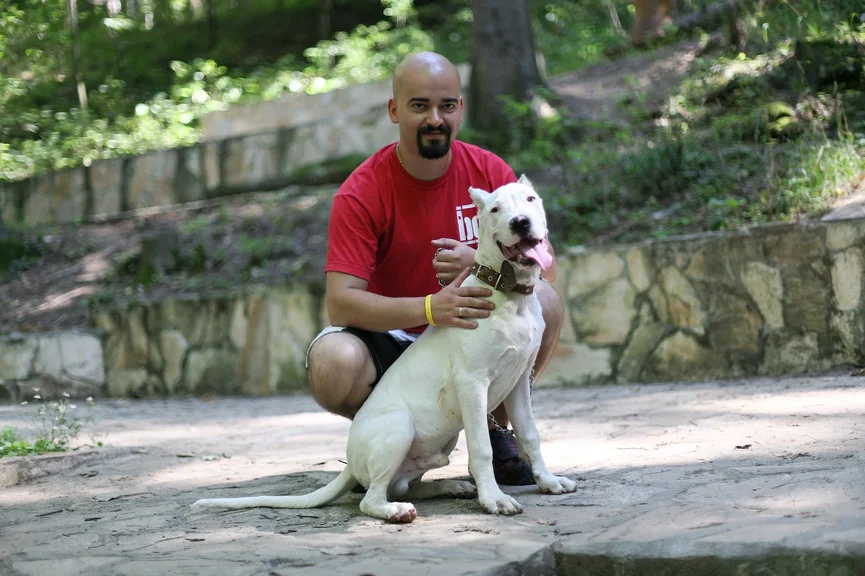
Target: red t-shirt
(384, 220)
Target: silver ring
(460, 311)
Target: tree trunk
(325, 25)
(212, 31)
(649, 20)
(76, 56)
(503, 60)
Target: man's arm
(349, 304)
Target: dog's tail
(337, 487)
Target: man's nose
(435, 117)
(520, 225)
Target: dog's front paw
(500, 503)
(557, 485)
(401, 512)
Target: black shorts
(383, 347)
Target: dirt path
(711, 469)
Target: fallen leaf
(743, 447)
(92, 519)
(196, 539)
(185, 455)
(89, 473)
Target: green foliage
(57, 427)
(18, 252)
(13, 445)
(573, 33)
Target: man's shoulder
(473, 151)
(486, 164)
(363, 178)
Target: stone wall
(54, 363)
(771, 300)
(253, 344)
(776, 299)
(338, 108)
(247, 148)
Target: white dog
(449, 379)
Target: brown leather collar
(506, 281)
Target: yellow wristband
(428, 307)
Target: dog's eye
(530, 199)
(494, 209)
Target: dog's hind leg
(519, 407)
(386, 439)
(441, 489)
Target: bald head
(421, 68)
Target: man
(407, 205)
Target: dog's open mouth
(528, 252)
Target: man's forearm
(361, 309)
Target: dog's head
(512, 222)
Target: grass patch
(11, 444)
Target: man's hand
(452, 259)
(456, 306)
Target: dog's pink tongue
(540, 253)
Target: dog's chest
(513, 338)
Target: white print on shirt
(467, 223)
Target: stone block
(640, 269)
(680, 304)
(847, 279)
(591, 271)
(682, 357)
(806, 295)
(151, 180)
(639, 348)
(252, 161)
(17, 356)
(106, 180)
(766, 288)
(211, 370)
(56, 197)
(791, 243)
(82, 357)
(605, 316)
(124, 383)
(173, 346)
(844, 234)
(734, 323)
(788, 353)
(9, 198)
(577, 364)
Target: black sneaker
(508, 467)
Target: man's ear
(479, 197)
(525, 181)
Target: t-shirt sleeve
(353, 234)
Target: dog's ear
(525, 181)
(479, 197)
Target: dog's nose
(520, 225)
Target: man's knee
(553, 308)
(341, 373)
